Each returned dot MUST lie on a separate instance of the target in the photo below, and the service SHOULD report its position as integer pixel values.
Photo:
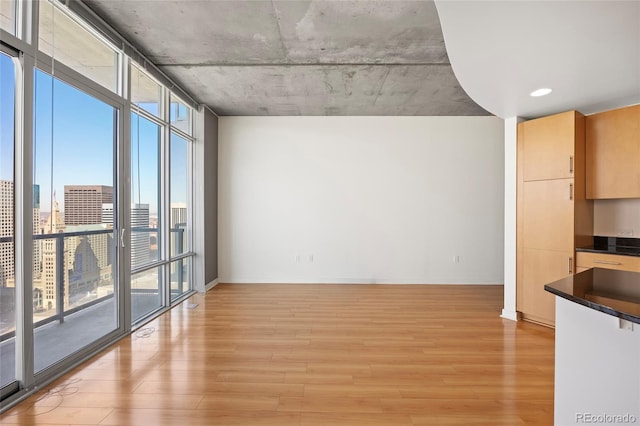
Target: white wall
(361, 199)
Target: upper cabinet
(613, 153)
(548, 146)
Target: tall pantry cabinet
(553, 215)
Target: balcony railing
(63, 273)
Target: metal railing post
(180, 273)
(60, 277)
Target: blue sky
(7, 81)
(75, 132)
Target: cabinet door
(549, 146)
(613, 154)
(541, 267)
(548, 212)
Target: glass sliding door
(146, 294)
(90, 189)
(7, 259)
(75, 217)
(146, 216)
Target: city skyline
(74, 137)
(68, 124)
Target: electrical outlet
(625, 325)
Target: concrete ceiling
(588, 52)
(298, 57)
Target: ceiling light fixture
(540, 92)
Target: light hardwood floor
(315, 355)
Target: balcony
(75, 294)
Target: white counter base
(597, 368)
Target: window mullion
(23, 222)
(166, 193)
(124, 201)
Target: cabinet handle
(571, 191)
(571, 164)
(570, 265)
(607, 262)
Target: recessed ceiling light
(540, 92)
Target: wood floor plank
(315, 355)
(138, 417)
(237, 402)
(330, 404)
(351, 419)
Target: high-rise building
(83, 203)
(178, 224)
(7, 230)
(53, 225)
(89, 262)
(107, 215)
(140, 233)
(178, 215)
(86, 261)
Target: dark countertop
(613, 292)
(613, 245)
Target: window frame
(19, 292)
(55, 64)
(24, 45)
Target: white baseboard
(510, 315)
(332, 280)
(210, 285)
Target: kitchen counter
(597, 348)
(609, 291)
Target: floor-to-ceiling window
(74, 260)
(180, 243)
(161, 139)
(146, 216)
(181, 144)
(105, 233)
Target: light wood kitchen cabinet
(548, 147)
(553, 215)
(608, 261)
(613, 154)
(541, 267)
(548, 207)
